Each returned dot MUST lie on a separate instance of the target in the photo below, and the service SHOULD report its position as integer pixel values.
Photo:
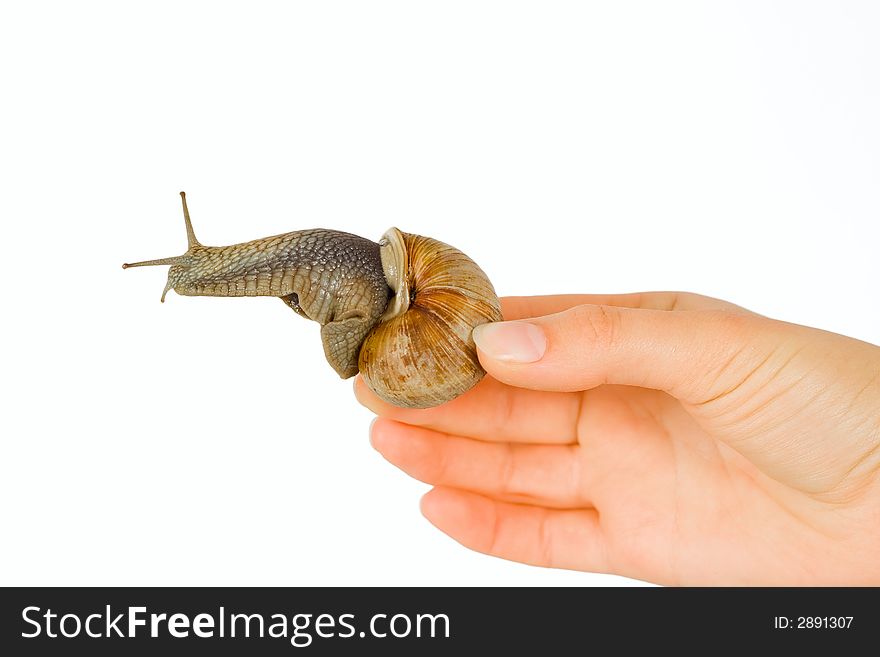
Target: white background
(727, 148)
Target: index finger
(526, 307)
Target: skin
(667, 437)
(328, 276)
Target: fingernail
(514, 342)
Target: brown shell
(426, 356)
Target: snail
(400, 311)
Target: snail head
(181, 264)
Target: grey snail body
(400, 311)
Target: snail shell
(422, 353)
(401, 311)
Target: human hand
(667, 437)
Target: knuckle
(507, 479)
(683, 300)
(674, 300)
(598, 324)
(727, 323)
(492, 543)
(545, 541)
(691, 300)
(730, 324)
(725, 331)
(441, 473)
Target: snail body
(400, 311)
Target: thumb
(683, 353)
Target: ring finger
(544, 475)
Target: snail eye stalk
(174, 260)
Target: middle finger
(492, 411)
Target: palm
(674, 505)
(633, 481)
